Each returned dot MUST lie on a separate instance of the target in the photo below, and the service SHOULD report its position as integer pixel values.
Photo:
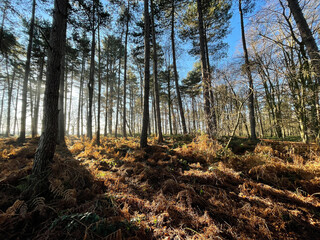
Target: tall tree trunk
(205, 74)
(118, 95)
(99, 87)
(111, 96)
(1, 109)
(10, 88)
(70, 101)
(15, 124)
(80, 94)
(91, 77)
(61, 125)
(107, 97)
(175, 70)
(145, 120)
(155, 76)
(37, 104)
(169, 102)
(306, 35)
(124, 117)
(47, 144)
(249, 75)
(26, 77)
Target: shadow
(76, 204)
(240, 145)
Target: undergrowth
(187, 188)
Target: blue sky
(185, 62)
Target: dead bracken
(118, 191)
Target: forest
(159, 119)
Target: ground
(187, 188)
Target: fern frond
(56, 187)
(16, 206)
(117, 235)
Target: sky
(185, 63)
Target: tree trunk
(169, 102)
(205, 74)
(61, 125)
(118, 96)
(47, 144)
(145, 120)
(80, 94)
(15, 124)
(306, 35)
(37, 104)
(155, 76)
(111, 96)
(124, 117)
(248, 72)
(99, 87)
(70, 102)
(91, 77)
(10, 88)
(175, 70)
(26, 77)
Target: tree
(205, 73)
(155, 75)
(249, 75)
(47, 144)
(26, 77)
(174, 61)
(306, 35)
(145, 120)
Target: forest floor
(186, 188)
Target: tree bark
(205, 74)
(26, 77)
(175, 70)
(118, 96)
(306, 35)
(61, 125)
(249, 75)
(145, 120)
(91, 77)
(10, 88)
(80, 94)
(155, 76)
(124, 117)
(47, 144)
(70, 101)
(37, 104)
(99, 87)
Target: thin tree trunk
(124, 132)
(205, 74)
(70, 101)
(91, 77)
(16, 111)
(145, 120)
(111, 96)
(175, 70)
(61, 125)
(99, 90)
(80, 95)
(37, 104)
(10, 88)
(26, 77)
(155, 76)
(169, 102)
(248, 72)
(118, 96)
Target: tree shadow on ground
(76, 206)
